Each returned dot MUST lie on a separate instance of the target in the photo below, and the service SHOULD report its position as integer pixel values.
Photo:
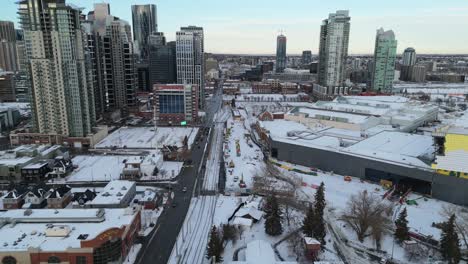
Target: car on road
(174, 205)
(184, 189)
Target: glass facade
(171, 104)
(110, 251)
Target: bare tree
(368, 216)
(295, 245)
(461, 221)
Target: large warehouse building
(374, 146)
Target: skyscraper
(62, 98)
(144, 20)
(8, 52)
(384, 61)
(333, 49)
(162, 60)
(409, 57)
(306, 57)
(190, 59)
(409, 60)
(280, 53)
(113, 60)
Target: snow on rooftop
(350, 118)
(453, 161)
(148, 137)
(49, 215)
(22, 236)
(113, 192)
(396, 146)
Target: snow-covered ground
(109, 167)
(132, 254)
(246, 163)
(338, 192)
(148, 137)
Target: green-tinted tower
(384, 61)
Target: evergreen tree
(309, 222)
(273, 216)
(401, 232)
(449, 243)
(319, 231)
(215, 246)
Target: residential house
(13, 199)
(59, 197)
(35, 197)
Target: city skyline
(249, 28)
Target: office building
(162, 63)
(190, 59)
(144, 20)
(384, 61)
(175, 104)
(409, 57)
(8, 52)
(280, 53)
(333, 49)
(306, 57)
(62, 98)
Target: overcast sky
(251, 26)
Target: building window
(8, 260)
(53, 259)
(81, 260)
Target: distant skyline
(251, 27)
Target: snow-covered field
(246, 164)
(109, 167)
(148, 137)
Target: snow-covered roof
(396, 146)
(242, 221)
(113, 192)
(316, 113)
(311, 241)
(453, 161)
(385, 145)
(22, 236)
(53, 215)
(148, 137)
(250, 211)
(36, 165)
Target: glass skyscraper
(384, 61)
(280, 53)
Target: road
(192, 239)
(158, 246)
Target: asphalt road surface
(158, 246)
